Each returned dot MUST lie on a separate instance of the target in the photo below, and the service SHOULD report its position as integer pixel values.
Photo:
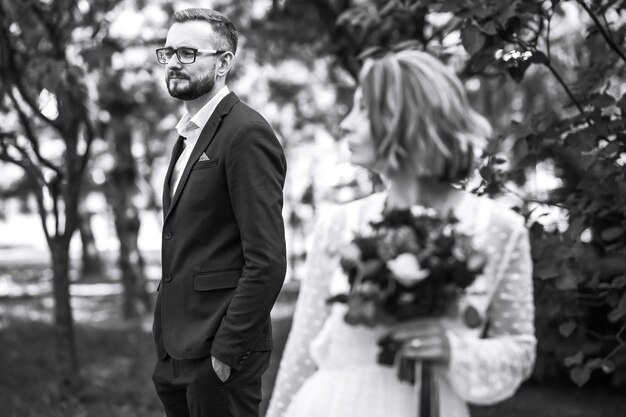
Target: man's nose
(173, 62)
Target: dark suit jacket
(223, 255)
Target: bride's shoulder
(354, 207)
(500, 215)
(335, 217)
(368, 201)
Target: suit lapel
(205, 139)
(167, 191)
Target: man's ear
(225, 64)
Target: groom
(223, 255)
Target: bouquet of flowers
(414, 264)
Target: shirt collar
(188, 123)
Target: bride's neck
(405, 192)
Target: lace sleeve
(485, 371)
(310, 314)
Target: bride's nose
(345, 126)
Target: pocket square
(204, 157)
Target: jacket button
(168, 277)
(168, 236)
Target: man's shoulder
(242, 110)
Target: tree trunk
(136, 297)
(92, 265)
(67, 362)
(122, 188)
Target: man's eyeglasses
(184, 55)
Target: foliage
(61, 95)
(551, 77)
(45, 89)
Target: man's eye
(187, 53)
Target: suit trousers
(191, 388)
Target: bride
(411, 121)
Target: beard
(193, 88)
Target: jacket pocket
(219, 280)
(205, 164)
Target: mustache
(176, 74)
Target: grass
(117, 358)
(115, 372)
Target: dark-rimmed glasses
(185, 55)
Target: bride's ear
(225, 64)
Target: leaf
(601, 100)
(507, 11)
(499, 159)
(587, 160)
(611, 150)
(619, 282)
(567, 280)
(546, 270)
(472, 39)
(580, 375)
(566, 283)
(618, 312)
(486, 172)
(594, 363)
(538, 57)
(518, 69)
(389, 7)
(612, 233)
(622, 104)
(567, 328)
(617, 126)
(576, 359)
(489, 28)
(608, 366)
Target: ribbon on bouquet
(429, 393)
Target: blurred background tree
(44, 87)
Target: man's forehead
(198, 34)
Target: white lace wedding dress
(329, 368)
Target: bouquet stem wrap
(429, 395)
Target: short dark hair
(220, 24)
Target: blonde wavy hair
(420, 117)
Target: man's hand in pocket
(221, 369)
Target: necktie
(178, 167)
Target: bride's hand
(421, 339)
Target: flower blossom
(407, 269)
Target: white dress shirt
(190, 128)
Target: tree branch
(548, 64)
(28, 131)
(51, 30)
(554, 72)
(601, 29)
(549, 27)
(12, 74)
(33, 175)
(620, 341)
